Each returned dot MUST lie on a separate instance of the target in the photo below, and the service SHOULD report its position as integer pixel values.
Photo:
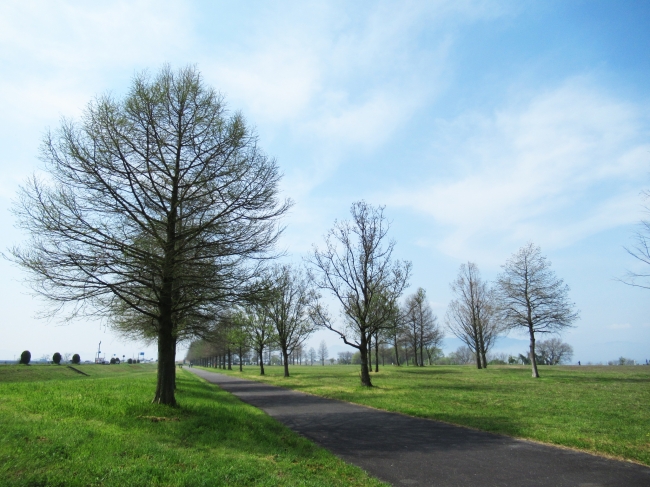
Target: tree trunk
(166, 368)
(229, 359)
(286, 362)
(363, 351)
(477, 353)
(241, 366)
(376, 355)
(396, 351)
(481, 343)
(421, 345)
(174, 365)
(533, 362)
(261, 361)
(369, 348)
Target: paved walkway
(402, 450)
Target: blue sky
(481, 125)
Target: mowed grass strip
(603, 410)
(58, 429)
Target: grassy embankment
(60, 428)
(605, 410)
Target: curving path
(403, 450)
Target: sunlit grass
(58, 429)
(599, 409)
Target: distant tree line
(357, 269)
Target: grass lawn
(598, 409)
(61, 428)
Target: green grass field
(60, 428)
(605, 410)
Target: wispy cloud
(562, 165)
(619, 326)
(343, 77)
(61, 54)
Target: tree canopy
(159, 208)
(532, 297)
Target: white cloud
(620, 326)
(60, 54)
(342, 77)
(82, 36)
(566, 164)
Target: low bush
(56, 358)
(76, 359)
(25, 357)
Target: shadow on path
(403, 450)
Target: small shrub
(76, 359)
(130, 361)
(25, 357)
(113, 361)
(56, 358)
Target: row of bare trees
(527, 295)
(277, 316)
(160, 214)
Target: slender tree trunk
(376, 354)
(369, 347)
(286, 362)
(421, 345)
(241, 366)
(477, 353)
(261, 361)
(363, 351)
(229, 359)
(396, 350)
(481, 343)
(533, 362)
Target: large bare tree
(532, 297)
(289, 301)
(471, 316)
(420, 325)
(554, 351)
(159, 203)
(358, 268)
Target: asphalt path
(403, 450)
